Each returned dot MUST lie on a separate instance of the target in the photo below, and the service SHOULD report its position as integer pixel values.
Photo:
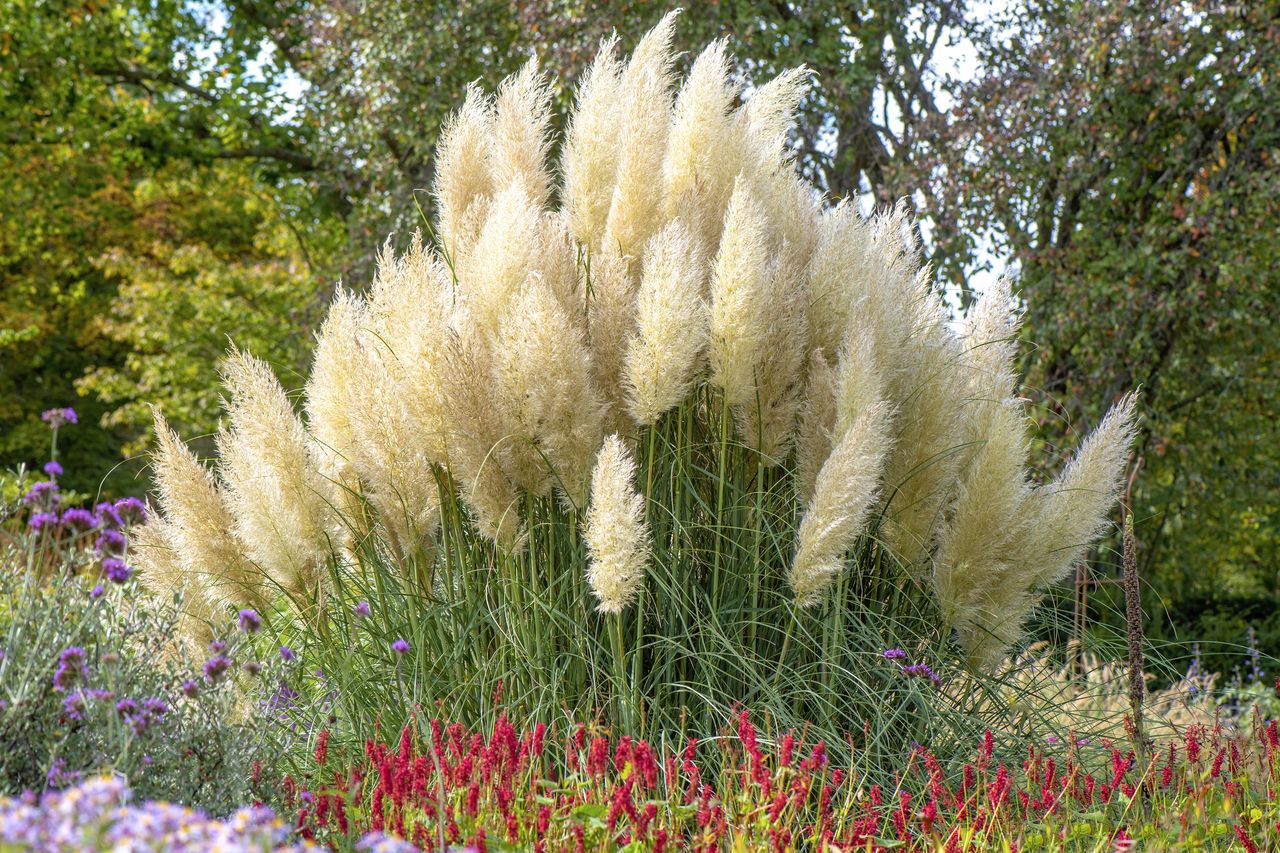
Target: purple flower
(215, 667)
(41, 520)
(126, 707)
(97, 592)
(57, 417)
(52, 468)
(250, 621)
(45, 490)
(59, 776)
(922, 670)
(79, 518)
(893, 654)
(218, 646)
(72, 666)
(109, 542)
(74, 705)
(287, 655)
(362, 608)
(190, 689)
(115, 570)
(107, 515)
(400, 647)
(130, 510)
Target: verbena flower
(130, 510)
(116, 570)
(400, 646)
(45, 491)
(287, 655)
(41, 520)
(894, 654)
(190, 689)
(215, 667)
(108, 518)
(249, 621)
(52, 468)
(58, 417)
(361, 608)
(59, 776)
(74, 705)
(97, 592)
(72, 666)
(78, 517)
(110, 541)
(218, 646)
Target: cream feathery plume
(396, 405)
(611, 317)
(1057, 523)
(769, 114)
(817, 421)
(845, 493)
(478, 444)
(589, 161)
(505, 252)
(557, 262)
(835, 267)
(671, 327)
(199, 525)
(462, 183)
(1076, 504)
(767, 421)
(740, 300)
(858, 384)
(929, 393)
(274, 488)
(162, 572)
(635, 210)
(521, 134)
(615, 530)
(331, 392)
(990, 333)
(988, 512)
(700, 164)
(542, 373)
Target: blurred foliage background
(174, 174)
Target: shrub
(736, 420)
(92, 677)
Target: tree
(129, 147)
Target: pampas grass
(810, 460)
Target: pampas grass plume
(615, 531)
(198, 526)
(462, 183)
(740, 303)
(671, 327)
(844, 494)
(274, 488)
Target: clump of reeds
(804, 440)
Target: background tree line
(174, 173)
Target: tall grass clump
(650, 429)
